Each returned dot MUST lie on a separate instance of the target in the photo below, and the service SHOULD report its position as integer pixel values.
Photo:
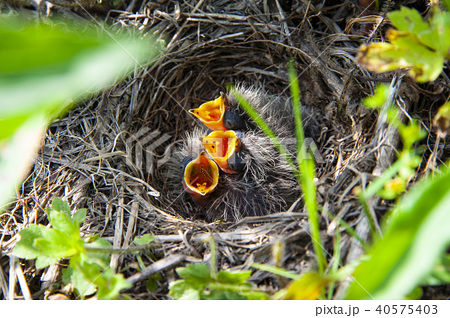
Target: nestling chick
(254, 178)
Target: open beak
(222, 147)
(211, 114)
(201, 175)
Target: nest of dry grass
(83, 158)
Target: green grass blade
(306, 167)
(265, 128)
(276, 271)
(414, 236)
(336, 262)
(305, 172)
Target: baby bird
(254, 179)
(225, 113)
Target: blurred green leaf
(440, 22)
(45, 245)
(183, 291)
(152, 282)
(73, 274)
(25, 247)
(418, 45)
(415, 235)
(440, 274)
(198, 283)
(65, 65)
(237, 277)
(442, 119)
(60, 218)
(379, 98)
(308, 287)
(411, 133)
(217, 294)
(415, 294)
(410, 21)
(446, 4)
(144, 239)
(107, 282)
(57, 245)
(48, 245)
(101, 258)
(44, 70)
(16, 154)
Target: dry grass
(209, 44)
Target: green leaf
(308, 287)
(61, 206)
(152, 282)
(144, 239)
(255, 295)
(67, 64)
(25, 247)
(183, 290)
(114, 284)
(108, 284)
(237, 277)
(101, 258)
(62, 221)
(442, 119)
(73, 274)
(434, 35)
(195, 273)
(48, 245)
(404, 52)
(414, 237)
(446, 4)
(410, 21)
(418, 45)
(440, 22)
(45, 245)
(415, 294)
(79, 216)
(379, 98)
(44, 261)
(198, 284)
(16, 154)
(440, 274)
(222, 295)
(57, 244)
(411, 134)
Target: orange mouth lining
(211, 113)
(201, 175)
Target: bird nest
(93, 157)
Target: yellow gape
(221, 146)
(201, 175)
(211, 113)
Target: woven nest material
(93, 156)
